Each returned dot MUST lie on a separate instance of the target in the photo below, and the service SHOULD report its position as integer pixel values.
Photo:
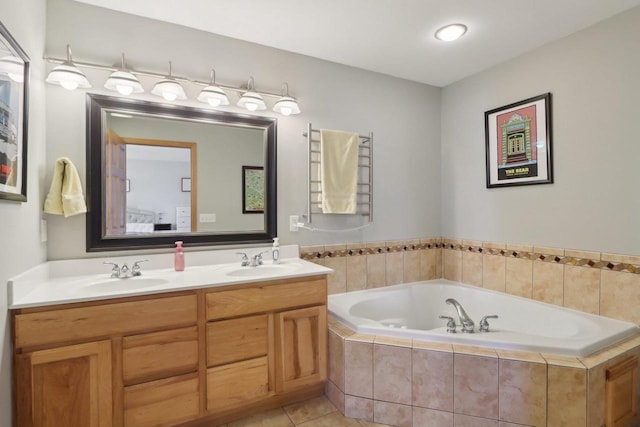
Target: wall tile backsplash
(599, 283)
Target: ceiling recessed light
(451, 32)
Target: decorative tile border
(311, 255)
(508, 253)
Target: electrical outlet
(293, 222)
(208, 217)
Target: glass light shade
(169, 89)
(286, 106)
(451, 32)
(124, 83)
(14, 67)
(252, 102)
(214, 96)
(68, 76)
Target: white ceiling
(393, 37)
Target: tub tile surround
(459, 385)
(598, 283)
(518, 388)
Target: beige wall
(593, 204)
(20, 224)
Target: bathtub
(411, 311)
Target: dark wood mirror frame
(97, 241)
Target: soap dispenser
(178, 258)
(275, 251)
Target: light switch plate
(207, 217)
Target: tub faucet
(466, 322)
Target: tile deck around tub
(412, 383)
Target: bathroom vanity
(196, 354)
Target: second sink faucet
(256, 260)
(467, 324)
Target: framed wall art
(252, 189)
(518, 143)
(14, 100)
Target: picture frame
(253, 185)
(14, 108)
(518, 142)
(185, 185)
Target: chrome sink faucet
(468, 325)
(257, 259)
(125, 272)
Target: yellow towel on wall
(65, 194)
(339, 171)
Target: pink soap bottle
(178, 259)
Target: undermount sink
(114, 284)
(262, 270)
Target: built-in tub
(411, 311)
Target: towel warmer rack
(365, 175)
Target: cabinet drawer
(163, 402)
(59, 326)
(159, 355)
(183, 221)
(237, 339)
(237, 383)
(261, 299)
(183, 211)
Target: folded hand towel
(65, 194)
(339, 171)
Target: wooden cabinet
(162, 402)
(207, 355)
(301, 343)
(622, 394)
(65, 386)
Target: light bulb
(69, 85)
(214, 102)
(169, 96)
(124, 90)
(286, 111)
(251, 106)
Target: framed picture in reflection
(252, 189)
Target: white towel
(339, 171)
(65, 194)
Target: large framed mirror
(157, 173)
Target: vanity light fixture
(286, 105)
(169, 88)
(251, 100)
(212, 94)
(123, 82)
(68, 75)
(13, 67)
(451, 32)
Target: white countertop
(70, 281)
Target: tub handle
(451, 323)
(484, 324)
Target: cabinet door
(301, 347)
(622, 394)
(66, 386)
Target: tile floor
(318, 412)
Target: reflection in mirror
(171, 173)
